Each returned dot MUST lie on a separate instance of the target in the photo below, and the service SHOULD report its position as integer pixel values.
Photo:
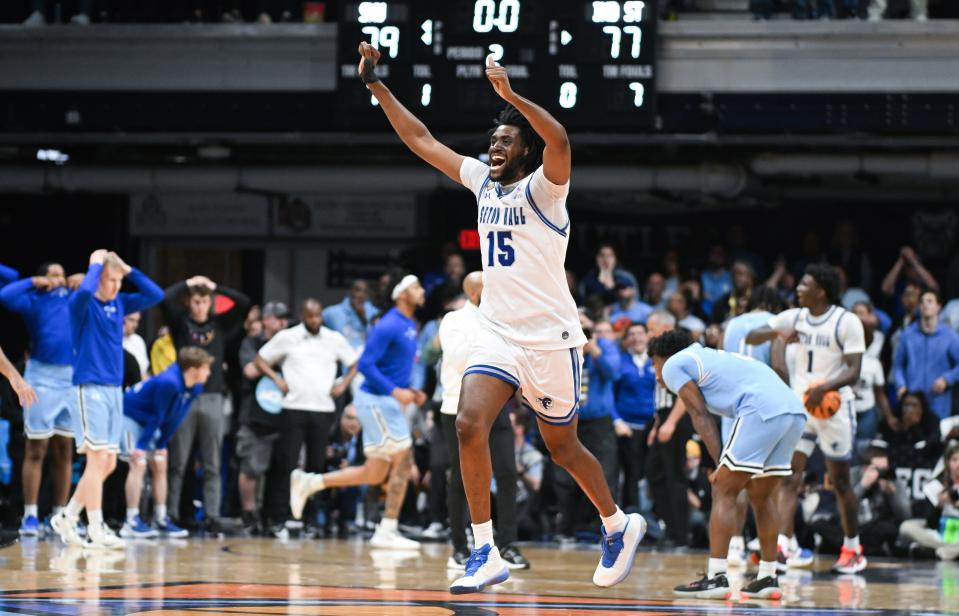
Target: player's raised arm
(409, 128)
(556, 154)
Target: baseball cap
(276, 309)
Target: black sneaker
(706, 588)
(513, 559)
(458, 560)
(765, 588)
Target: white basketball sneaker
(392, 540)
(619, 549)
(102, 536)
(66, 527)
(484, 568)
(299, 491)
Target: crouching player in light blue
(769, 421)
(152, 412)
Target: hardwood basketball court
(346, 577)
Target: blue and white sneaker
(484, 568)
(168, 529)
(800, 557)
(30, 526)
(137, 529)
(619, 549)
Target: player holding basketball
(531, 337)
(768, 424)
(830, 343)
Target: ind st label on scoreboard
(590, 63)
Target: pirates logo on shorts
(546, 403)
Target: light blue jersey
(734, 340)
(733, 385)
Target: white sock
(389, 525)
(95, 518)
(73, 508)
(57, 510)
(483, 534)
(716, 567)
(29, 510)
(767, 568)
(614, 523)
(851, 543)
(132, 513)
(314, 481)
(159, 512)
(793, 544)
(783, 543)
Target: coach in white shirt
(309, 355)
(457, 332)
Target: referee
(457, 331)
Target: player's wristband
(368, 72)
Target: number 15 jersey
(524, 231)
(823, 341)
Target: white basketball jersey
(523, 232)
(823, 341)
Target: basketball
(831, 401)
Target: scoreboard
(590, 63)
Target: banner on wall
(201, 214)
(346, 217)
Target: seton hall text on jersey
(818, 340)
(509, 216)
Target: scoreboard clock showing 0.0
(590, 63)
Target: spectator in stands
(943, 522)
(352, 317)
(716, 280)
(654, 293)
(907, 269)
(309, 355)
(671, 271)
(784, 282)
(601, 370)
(258, 427)
(737, 250)
(927, 357)
(162, 352)
(872, 405)
(197, 325)
(699, 495)
(529, 468)
(627, 306)
(345, 449)
(635, 409)
(883, 500)
(850, 296)
(253, 323)
(601, 280)
(847, 253)
(38, 16)
(733, 304)
(678, 306)
(134, 344)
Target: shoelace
(612, 546)
(477, 559)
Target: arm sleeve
(376, 346)
(549, 198)
(17, 297)
(473, 174)
(164, 395)
(232, 319)
(148, 293)
(608, 362)
(80, 298)
(276, 349)
(952, 359)
(247, 352)
(785, 320)
(175, 417)
(7, 274)
(899, 363)
(455, 347)
(677, 372)
(851, 335)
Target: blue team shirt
(637, 313)
(343, 318)
(47, 316)
(160, 403)
(7, 275)
(603, 373)
(387, 359)
(732, 384)
(97, 327)
(734, 340)
(635, 391)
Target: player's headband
(408, 281)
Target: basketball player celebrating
(386, 365)
(531, 337)
(768, 425)
(97, 309)
(42, 302)
(830, 343)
